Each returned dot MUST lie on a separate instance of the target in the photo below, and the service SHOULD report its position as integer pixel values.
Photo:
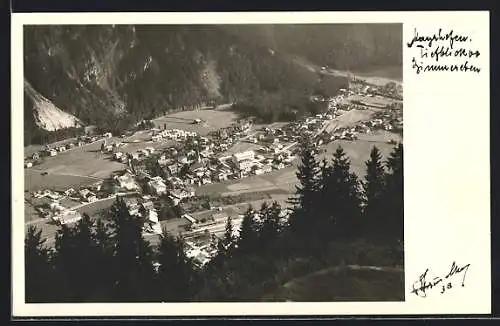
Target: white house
(126, 181)
(245, 165)
(156, 228)
(68, 217)
(173, 168)
(156, 138)
(189, 218)
(163, 160)
(222, 176)
(248, 155)
(157, 187)
(153, 216)
(278, 166)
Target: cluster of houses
(391, 90)
(202, 233)
(51, 151)
(171, 134)
(143, 208)
(57, 212)
(63, 215)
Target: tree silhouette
(374, 187)
(228, 241)
(271, 226)
(248, 239)
(40, 284)
(133, 267)
(175, 273)
(340, 198)
(304, 216)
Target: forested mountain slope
(114, 75)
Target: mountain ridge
(115, 75)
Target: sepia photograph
(213, 163)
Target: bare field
(211, 120)
(376, 101)
(34, 180)
(275, 180)
(82, 161)
(380, 136)
(134, 147)
(358, 152)
(348, 119)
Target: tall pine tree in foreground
(374, 196)
(271, 224)
(340, 199)
(174, 279)
(303, 219)
(39, 276)
(248, 240)
(228, 241)
(104, 283)
(64, 260)
(132, 260)
(77, 260)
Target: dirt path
(324, 271)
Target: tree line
(335, 218)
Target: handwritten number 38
(448, 286)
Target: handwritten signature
(425, 282)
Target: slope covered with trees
(115, 75)
(337, 221)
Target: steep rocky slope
(46, 115)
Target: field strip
(70, 175)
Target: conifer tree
(374, 188)
(64, 262)
(248, 239)
(77, 260)
(133, 267)
(340, 198)
(304, 216)
(226, 244)
(104, 261)
(271, 224)
(39, 281)
(86, 269)
(174, 278)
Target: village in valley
(188, 172)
